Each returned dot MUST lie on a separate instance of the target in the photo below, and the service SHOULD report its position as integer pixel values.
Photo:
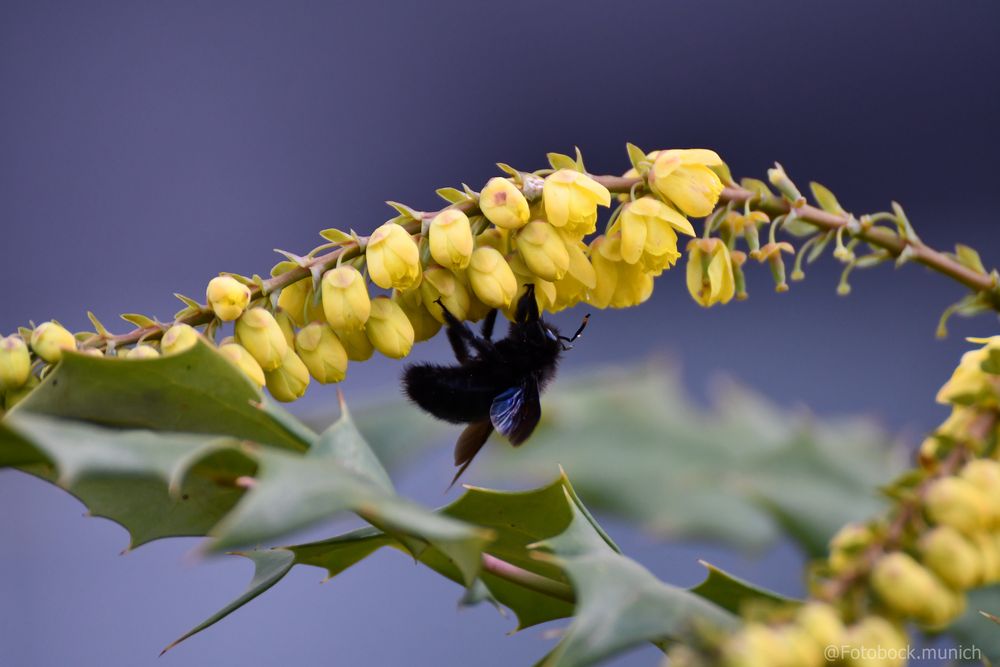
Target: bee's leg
(488, 323)
(461, 337)
(527, 306)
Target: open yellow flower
(618, 283)
(683, 177)
(649, 233)
(710, 277)
(571, 200)
(393, 257)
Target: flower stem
(526, 579)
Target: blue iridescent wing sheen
(515, 412)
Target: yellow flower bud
(393, 258)
(228, 297)
(322, 352)
(951, 557)
(287, 326)
(425, 325)
(683, 177)
(298, 300)
(15, 363)
(261, 335)
(346, 303)
(710, 277)
(649, 233)
(239, 357)
(955, 502)
(357, 345)
(756, 645)
(986, 547)
(909, 589)
(178, 338)
(848, 545)
(450, 239)
(503, 204)
(388, 329)
(142, 352)
(498, 239)
(90, 352)
(543, 251)
(984, 474)
(875, 642)
(491, 278)
(49, 339)
(821, 622)
(442, 284)
(571, 201)
(289, 380)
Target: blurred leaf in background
(742, 472)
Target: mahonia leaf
(196, 391)
(975, 629)
(154, 485)
(731, 592)
(270, 567)
(619, 603)
(548, 532)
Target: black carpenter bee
(497, 385)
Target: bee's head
(540, 331)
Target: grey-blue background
(145, 146)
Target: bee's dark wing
(516, 411)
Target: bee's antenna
(579, 332)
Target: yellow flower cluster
(479, 253)
(814, 636)
(473, 257)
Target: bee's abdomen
(452, 393)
